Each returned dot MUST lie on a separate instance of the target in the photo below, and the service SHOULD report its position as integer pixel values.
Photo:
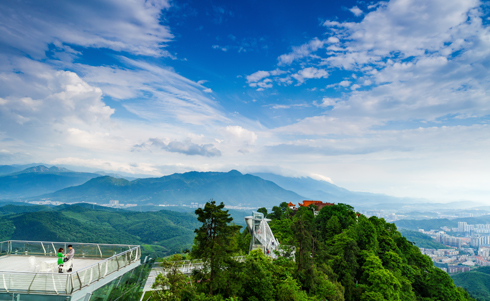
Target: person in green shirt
(60, 260)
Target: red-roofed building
(319, 204)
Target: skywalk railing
(48, 248)
(67, 283)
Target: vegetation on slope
(161, 232)
(339, 256)
(476, 282)
(422, 240)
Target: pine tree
(214, 240)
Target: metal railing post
(117, 261)
(80, 281)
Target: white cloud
(400, 28)
(257, 76)
(260, 79)
(242, 134)
(161, 93)
(320, 178)
(301, 52)
(421, 60)
(224, 49)
(308, 73)
(327, 102)
(116, 166)
(186, 147)
(131, 26)
(356, 11)
(296, 105)
(39, 99)
(344, 83)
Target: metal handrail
(113, 256)
(74, 243)
(69, 282)
(37, 248)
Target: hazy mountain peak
(43, 168)
(58, 169)
(234, 172)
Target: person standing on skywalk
(69, 256)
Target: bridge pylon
(262, 236)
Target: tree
(173, 287)
(263, 210)
(214, 240)
(280, 212)
(257, 277)
(289, 290)
(344, 251)
(345, 214)
(304, 230)
(381, 283)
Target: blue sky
(387, 97)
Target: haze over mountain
(8, 169)
(325, 191)
(232, 188)
(37, 180)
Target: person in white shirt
(69, 256)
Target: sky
(387, 97)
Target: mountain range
(232, 188)
(39, 182)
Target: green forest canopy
(339, 255)
(476, 282)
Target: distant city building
(464, 227)
(449, 240)
(457, 269)
(477, 240)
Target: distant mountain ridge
(8, 169)
(38, 180)
(42, 168)
(232, 188)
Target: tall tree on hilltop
(214, 240)
(303, 227)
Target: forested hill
(367, 257)
(232, 188)
(422, 240)
(160, 232)
(476, 282)
(338, 256)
